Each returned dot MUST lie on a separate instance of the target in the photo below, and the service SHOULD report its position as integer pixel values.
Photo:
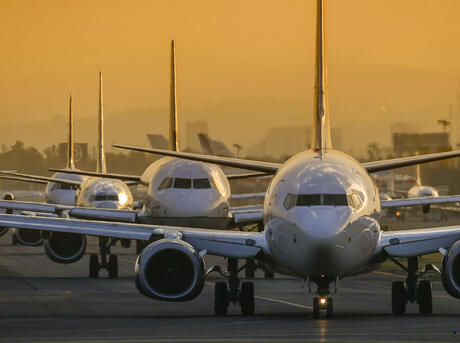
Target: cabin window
(68, 187)
(305, 200)
(182, 183)
(166, 183)
(290, 201)
(308, 200)
(355, 200)
(201, 183)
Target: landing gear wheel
(250, 269)
(398, 298)
(269, 274)
(220, 298)
(247, 298)
(93, 266)
(329, 308)
(424, 299)
(112, 266)
(316, 308)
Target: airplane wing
(272, 168)
(123, 177)
(215, 242)
(45, 179)
(17, 178)
(420, 201)
(247, 215)
(70, 211)
(266, 167)
(245, 175)
(249, 196)
(410, 243)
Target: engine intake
(29, 237)
(65, 247)
(170, 270)
(451, 271)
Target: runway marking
(272, 300)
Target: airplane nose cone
(322, 222)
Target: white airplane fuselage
(62, 194)
(321, 215)
(178, 188)
(104, 193)
(422, 191)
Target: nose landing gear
(323, 303)
(111, 265)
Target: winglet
(100, 160)
(321, 127)
(70, 159)
(173, 122)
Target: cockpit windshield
(183, 183)
(351, 199)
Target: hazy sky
(243, 65)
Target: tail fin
(100, 158)
(173, 122)
(321, 127)
(70, 144)
(418, 181)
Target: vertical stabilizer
(321, 128)
(100, 158)
(70, 145)
(418, 172)
(173, 122)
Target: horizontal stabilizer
(266, 167)
(23, 179)
(377, 166)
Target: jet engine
(65, 247)
(451, 271)
(28, 237)
(6, 196)
(170, 270)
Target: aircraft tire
(247, 298)
(424, 298)
(220, 298)
(93, 266)
(398, 298)
(113, 267)
(250, 270)
(329, 308)
(316, 308)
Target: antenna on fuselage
(100, 158)
(173, 121)
(321, 126)
(70, 159)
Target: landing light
(122, 198)
(398, 213)
(322, 301)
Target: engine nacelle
(65, 247)
(451, 271)
(170, 270)
(29, 237)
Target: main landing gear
(110, 264)
(252, 266)
(412, 291)
(223, 295)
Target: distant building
(405, 144)
(192, 129)
(80, 155)
(157, 141)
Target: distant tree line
(29, 160)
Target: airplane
(321, 217)
(419, 190)
(179, 192)
(89, 195)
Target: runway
(43, 301)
